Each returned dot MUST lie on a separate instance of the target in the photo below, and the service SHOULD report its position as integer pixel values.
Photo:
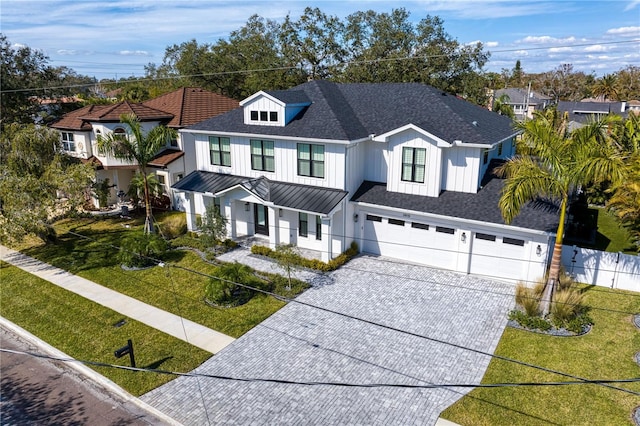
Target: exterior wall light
(463, 237)
(538, 250)
(280, 212)
(355, 217)
(246, 207)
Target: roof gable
(190, 105)
(355, 111)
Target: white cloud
(491, 44)
(632, 4)
(546, 40)
(597, 48)
(560, 49)
(134, 53)
(625, 31)
(521, 53)
(494, 9)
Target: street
(37, 391)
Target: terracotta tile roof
(165, 157)
(73, 120)
(92, 161)
(115, 111)
(190, 105)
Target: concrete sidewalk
(181, 328)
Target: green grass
(172, 289)
(612, 236)
(85, 330)
(607, 352)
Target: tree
(629, 82)
(606, 87)
(33, 173)
(502, 107)
(287, 257)
(554, 162)
(139, 147)
(213, 226)
(224, 289)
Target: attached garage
(498, 256)
(417, 242)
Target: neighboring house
(402, 169)
(587, 110)
(524, 102)
(79, 131)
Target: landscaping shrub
(315, 264)
(530, 322)
(566, 305)
(173, 224)
(529, 298)
(223, 289)
(139, 249)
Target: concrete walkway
(181, 328)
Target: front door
(261, 219)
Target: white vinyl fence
(613, 270)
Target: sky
(115, 38)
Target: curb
(86, 371)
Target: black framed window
(220, 151)
(374, 218)
(418, 225)
(262, 155)
(396, 222)
(486, 237)
(413, 161)
(500, 149)
(254, 115)
(318, 228)
(303, 224)
(445, 230)
(273, 116)
(485, 156)
(311, 160)
(263, 115)
(513, 241)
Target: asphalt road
(37, 391)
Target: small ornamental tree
(288, 258)
(139, 249)
(213, 226)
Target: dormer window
(413, 163)
(264, 116)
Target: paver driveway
(305, 344)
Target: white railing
(613, 270)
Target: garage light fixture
(355, 217)
(538, 250)
(246, 207)
(463, 237)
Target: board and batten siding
(286, 162)
(375, 165)
(433, 166)
(263, 103)
(461, 167)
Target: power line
(387, 327)
(344, 63)
(337, 384)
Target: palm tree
(502, 107)
(607, 87)
(553, 162)
(139, 147)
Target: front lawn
(86, 330)
(607, 352)
(172, 289)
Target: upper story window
(68, 143)
(264, 116)
(413, 161)
(173, 142)
(120, 133)
(220, 151)
(311, 160)
(500, 149)
(485, 156)
(262, 155)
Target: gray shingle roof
(354, 111)
(519, 96)
(584, 112)
(540, 215)
(288, 195)
(290, 96)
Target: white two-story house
(402, 169)
(79, 131)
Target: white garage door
(498, 256)
(411, 241)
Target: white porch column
(274, 227)
(230, 207)
(190, 211)
(326, 239)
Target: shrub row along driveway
(305, 344)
